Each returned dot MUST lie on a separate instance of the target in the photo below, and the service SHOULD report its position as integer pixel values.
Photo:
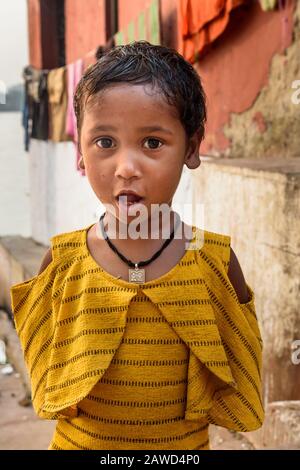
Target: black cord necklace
(137, 274)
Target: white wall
(61, 199)
(14, 185)
(13, 40)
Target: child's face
(132, 139)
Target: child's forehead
(142, 101)
(135, 94)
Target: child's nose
(128, 165)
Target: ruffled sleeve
(34, 319)
(223, 336)
(70, 322)
(242, 409)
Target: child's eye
(106, 143)
(153, 143)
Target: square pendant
(137, 275)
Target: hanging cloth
(268, 5)
(39, 105)
(58, 102)
(27, 107)
(203, 21)
(74, 73)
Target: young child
(131, 342)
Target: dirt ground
(20, 428)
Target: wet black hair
(143, 63)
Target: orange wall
(85, 27)
(34, 32)
(129, 10)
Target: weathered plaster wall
(257, 202)
(271, 126)
(245, 68)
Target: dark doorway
(53, 33)
(111, 18)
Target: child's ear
(81, 163)
(192, 157)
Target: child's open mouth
(126, 200)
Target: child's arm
(241, 410)
(34, 319)
(46, 261)
(237, 279)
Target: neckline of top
(133, 285)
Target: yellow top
(140, 366)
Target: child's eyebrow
(142, 129)
(155, 128)
(103, 128)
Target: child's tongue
(129, 198)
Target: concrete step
(20, 428)
(20, 259)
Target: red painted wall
(237, 67)
(129, 10)
(34, 33)
(85, 27)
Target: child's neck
(153, 237)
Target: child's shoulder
(64, 248)
(214, 245)
(215, 238)
(66, 241)
(64, 245)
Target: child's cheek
(97, 179)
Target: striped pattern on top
(139, 366)
(140, 400)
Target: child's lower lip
(124, 206)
